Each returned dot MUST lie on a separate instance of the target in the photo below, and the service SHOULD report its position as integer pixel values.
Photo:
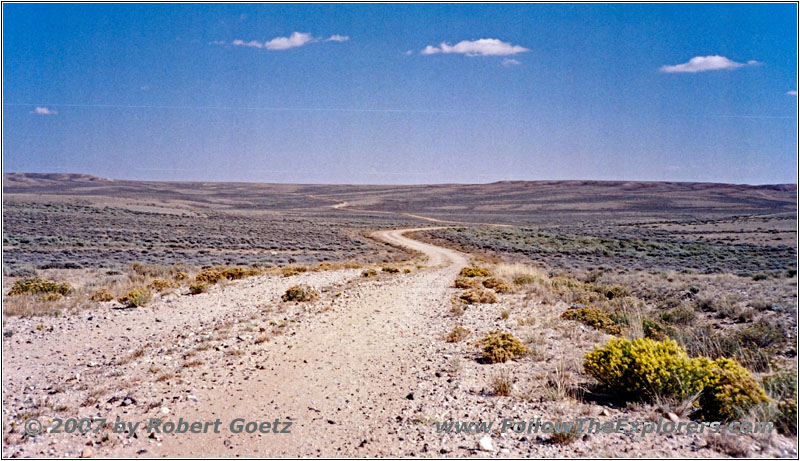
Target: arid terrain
(367, 316)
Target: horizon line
(408, 184)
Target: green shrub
(526, 279)
(594, 318)
(761, 334)
(678, 316)
(781, 384)
(652, 329)
(474, 272)
(782, 387)
(500, 347)
(644, 368)
(787, 419)
(300, 293)
(197, 287)
(36, 286)
(478, 296)
(135, 298)
(498, 285)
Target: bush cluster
(478, 296)
(648, 369)
(502, 346)
(37, 286)
(135, 298)
(594, 318)
(214, 275)
(498, 285)
(102, 296)
(160, 285)
(466, 283)
(197, 287)
(474, 272)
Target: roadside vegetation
(683, 343)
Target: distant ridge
(19, 178)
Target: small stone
(505, 451)
(605, 412)
(164, 410)
(485, 444)
(87, 453)
(410, 396)
(673, 417)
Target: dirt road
(342, 379)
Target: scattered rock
(87, 453)
(485, 444)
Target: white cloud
(508, 62)
(706, 63)
(480, 47)
(293, 41)
(43, 111)
(409, 52)
(252, 43)
(792, 92)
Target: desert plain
(367, 316)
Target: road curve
(437, 256)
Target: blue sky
(360, 93)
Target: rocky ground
(362, 371)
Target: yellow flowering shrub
(474, 272)
(498, 285)
(135, 298)
(500, 347)
(730, 391)
(39, 286)
(646, 369)
(210, 276)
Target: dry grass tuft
(502, 384)
(300, 293)
(457, 334)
